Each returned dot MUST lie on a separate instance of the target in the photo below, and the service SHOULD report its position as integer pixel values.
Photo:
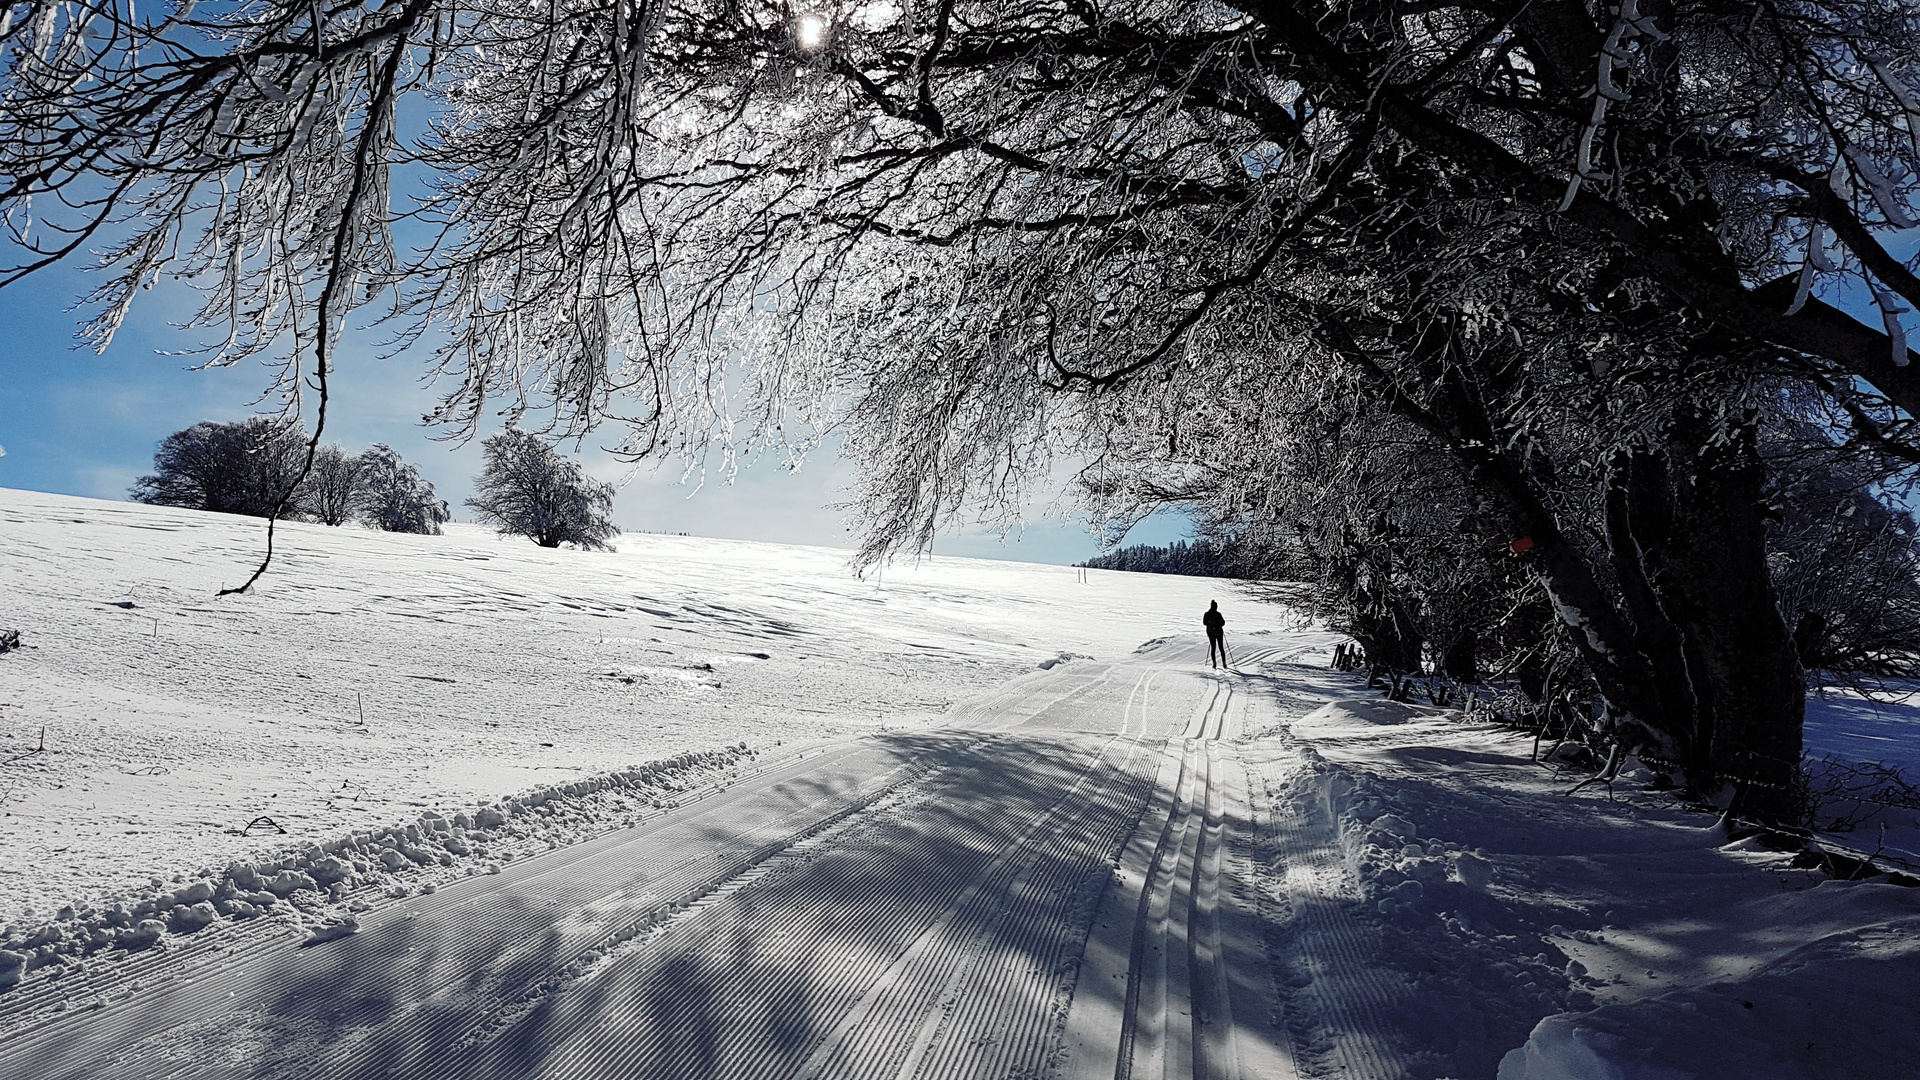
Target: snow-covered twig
(1890, 312)
(1613, 55)
(41, 749)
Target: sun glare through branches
(810, 31)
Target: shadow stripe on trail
(906, 905)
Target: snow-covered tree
(528, 489)
(239, 468)
(1561, 242)
(328, 495)
(392, 495)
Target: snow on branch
(1614, 56)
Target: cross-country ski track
(1058, 882)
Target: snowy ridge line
(321, 884)
(872, 883)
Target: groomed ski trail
(1059, 883)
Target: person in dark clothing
(1216, 625)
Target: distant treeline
(1200, 558)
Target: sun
(810, 31)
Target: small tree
(528, 489)
(392, 495)
(239, 468)
(330, 491)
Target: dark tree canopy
(1199, 558)
(249, 467)
(238, 468)
(329, 492)
(528, 489)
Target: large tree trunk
(1749, 685)
(1639, 523)
(1686, 643)
(1459, 660)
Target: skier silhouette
(1216, 625)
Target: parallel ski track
(755, 958)
(980, 988)
(1178, 1020)
(1026, 701)
(979, 998)
(501, 933)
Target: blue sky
(80, 424)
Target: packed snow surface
(1852, 726)
(372, 676)
(701, 808)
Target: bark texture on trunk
(1749, 684)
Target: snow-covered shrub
(528, 489)
(392, 495)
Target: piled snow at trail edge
(319, 888)
(1595, 936)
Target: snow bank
(1608, 935)
(317, 889)
(1838, 1007)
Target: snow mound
(321, 885)
(1833, 1008)
(332, 931)
(1337, 715)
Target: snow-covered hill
(371, 676)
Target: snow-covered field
(372, 676)
(1850, 726)
(701, 808)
